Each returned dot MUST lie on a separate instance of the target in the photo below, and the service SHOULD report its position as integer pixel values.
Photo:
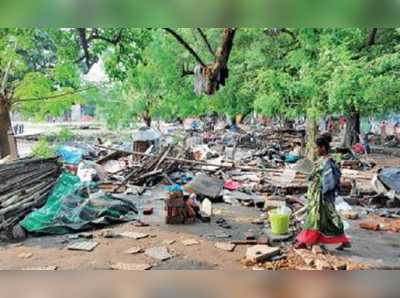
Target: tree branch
(371, 39)
(204, 36)
(289, 32)
(56, 96)
(114, 41)
(85, 42)
(186, 71)
(5, 79)
(85, 47)
(185, 45)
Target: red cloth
(311, 237)
(359, 149)
(232, 185)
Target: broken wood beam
(199, 163)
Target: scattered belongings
(240, 169)
(207, 207)
(25, 185)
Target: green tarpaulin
(76, 206)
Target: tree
(32, 67)
(365, 78)
(350, 71)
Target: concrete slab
(159, 253)
(260, 253)
(84, 246)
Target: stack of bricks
(178, 210)
(175, 208)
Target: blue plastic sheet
(70, 155)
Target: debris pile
(25, 185)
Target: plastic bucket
(280, 223)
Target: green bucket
(280, 223)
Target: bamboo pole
(199, 163)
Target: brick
(225, 246)
(190, 242)
(317, 250)
(249, 235)
(148, 211)
(134, 235)
(131, 267)
(322, 265)
(350, 215)
(370, 225)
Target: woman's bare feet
(300, 245)
(343, 246)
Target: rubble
(25, 185)
(131, 267)
(159, 253)
(242, 169)
(261, 253)
(229, 247)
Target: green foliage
(40, 63)
(42, 149)
(64, 135)
(275, 72)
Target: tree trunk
(312, 134)
(220, 71)
(147, 119)
(353, 131)
(5, 127)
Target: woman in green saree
(324, 224)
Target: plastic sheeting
(147, 134)
(76, 206)
(391, 178)
(387, 182)
(70, 155)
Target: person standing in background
(342, 123)
(383, 129)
